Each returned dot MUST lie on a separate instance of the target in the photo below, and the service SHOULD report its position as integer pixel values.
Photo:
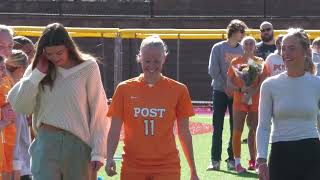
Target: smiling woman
(6, 42)
(288, 111)
(63, 90)
(245, 99)
(148, 106)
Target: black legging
(295, 160)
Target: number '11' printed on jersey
(151, 113)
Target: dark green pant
(59, 155)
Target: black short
(295, 160)
(26, 177)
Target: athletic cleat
(240, 169)
(252, 165)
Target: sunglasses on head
(265, 30)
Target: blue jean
(220, 104)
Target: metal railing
(119, 34)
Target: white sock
(237, 161)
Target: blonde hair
(302, 37)
(280, 37)
(153, 41)
(316, 42)
(248, 38)
(17, 59)
(7, 29)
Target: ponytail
(309, 66)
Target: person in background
(220, 58)
(16, 64)
(8, 117)
(63, 90)
(274, 63)
(245, 102)
(148, 106)
(26, 45)
(315, 47)
(267, 43)
(266, 46)
(288, 114)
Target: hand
(245, 89)
(111, 168)
(43, 64)
(7, 113)
(251, 91)
(245, 98)
(229, 92)
(96, 165)
(263, 171)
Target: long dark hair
(54, 35)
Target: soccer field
(202, 145)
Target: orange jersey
(8, 134)
(7, 144)
(6, 83)
(148, 114)
(239, 82)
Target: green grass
(202, 146)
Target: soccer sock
(237, 161)
(236, 143)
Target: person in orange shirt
(8, 129)
(148, 106)
(245, 102)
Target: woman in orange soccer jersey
(16, 65)
(8, 129)
(148, 106)
(245, 102)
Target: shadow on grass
(247, 174)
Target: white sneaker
(214, 166)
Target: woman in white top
(63, 90)
(289, 103)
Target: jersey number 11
(149, 127)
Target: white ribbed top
(288, 110)
(77, 103)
